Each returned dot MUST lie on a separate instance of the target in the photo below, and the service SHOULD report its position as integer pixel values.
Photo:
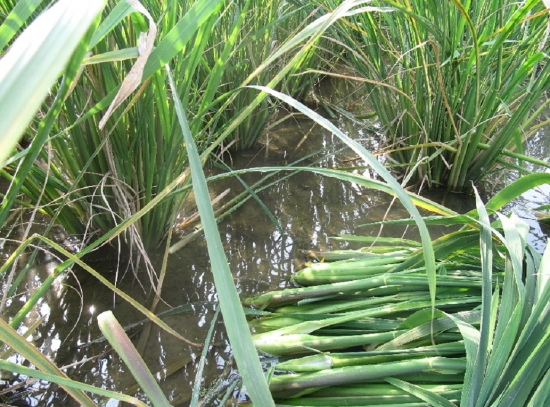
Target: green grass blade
(35, 61)
(112, 56)
(10, 337)
(25, 168)
(542, 393)
(120, 342)
(178, 37)
(429, 397)
(516, 231)
(233, 314)
(200, 369)
(16, 19)
(533, 333)
(429, 328)
(517, 188)
(471, 342)
(68, 383)
(116, 15)
(519, 389)
(486, 330)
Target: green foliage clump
(455, 85)
(102, 169)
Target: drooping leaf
(35, 60)
(233, 315)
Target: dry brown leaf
(133, 79)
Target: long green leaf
(10, 337)
(117, 14)
(518, 187)
(34, 62)
(429, 397)
(429, 257)
(68, 383)
(178, 37)
(120, 342)
(16, 19)
(233, 315)
(536, 365)
(542, 393)
(200, 368)
(486, 330)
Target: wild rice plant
(7, 333)
(456, 85)
(459, 333)
(102, 170)
(246, 35)
(230, 304)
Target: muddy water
(309, 209)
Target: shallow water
(309, 208)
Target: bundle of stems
(347, 343)
(457, 86)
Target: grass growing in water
(103, 170)
(312, 36)
(455, 85)
(57, 184)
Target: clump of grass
(81, 180)
(455, 85)
(101, 171)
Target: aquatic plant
(477, 316)
(77, 17)
(456, 86)
(58, 180)
(162, 83)
(104, 166)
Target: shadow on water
(309, 209)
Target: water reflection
(525, 206)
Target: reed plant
(74, 111)
(456, 86)
(473, 323)
(67, 126)
(66, 20)
(247, 35)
